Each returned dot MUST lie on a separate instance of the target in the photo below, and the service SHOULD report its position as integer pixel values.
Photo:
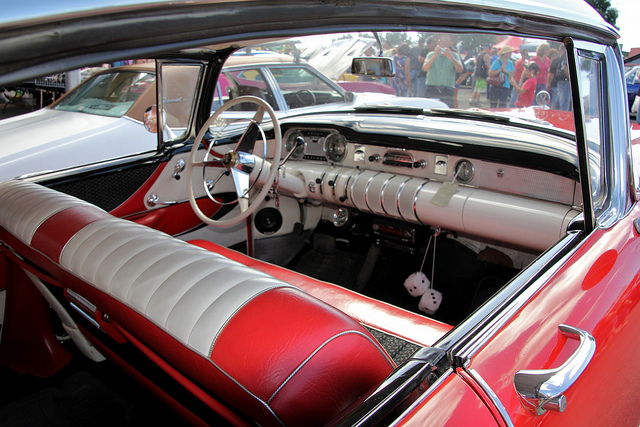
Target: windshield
(485, 75)
(108, 94)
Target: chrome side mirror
(150, 119)
(373, 66)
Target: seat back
(258, 344)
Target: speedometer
(290, 142)
(335, 147)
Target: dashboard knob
(374, 158)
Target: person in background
(543, 61)
(483, 63)
(460, 78)
(519, 68)
(527, 91)
(558, 82)
(441, 66)
(421, 88)
(499, 95)
(416, 65)
(402, 81)
(494, 54)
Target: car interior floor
(465, 278)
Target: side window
(179, 88)
(591, 78)
(249, 81)
(302, 88)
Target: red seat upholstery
(267, 348)
(376, 314)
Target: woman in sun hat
(499, 95)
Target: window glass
(235, 83)
(108, 94)
(591, 76)
(302, 88)
(179, 86)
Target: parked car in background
(108, 109)
(286, 255)
(97, 120)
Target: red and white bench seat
(266, 347)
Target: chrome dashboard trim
(321, 183)
(335, 184)
(415, 203)
(398, 196)
(346, 187)
(384, 187)
(352, 185)
(366, 192)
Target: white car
(102, 118)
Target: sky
(628, 22)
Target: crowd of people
(435, 69)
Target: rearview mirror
(373, 66)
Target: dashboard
(502, 202)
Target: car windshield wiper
(485, 115)
(389, 108)
(473, 114)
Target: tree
(603, 7)
(396, 39)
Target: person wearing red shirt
(520, 63)
(527, 91)
(543, 61)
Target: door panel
(597, 291)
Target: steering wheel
(240, 163)
(311, 94)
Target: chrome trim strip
(384, 187)
(366, 192)
(492, 395)
(464, 341)
(415, 202)
(423, 396)
(333, 187)
(85, 315)
(351, 188)
(398, 194)
(81, 300)
(321, 184)
(346, 187)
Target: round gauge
(340, 217)
(464, 171)
(290, 142)
(335, 147)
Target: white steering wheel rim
(272, 173)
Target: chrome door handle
(543, 390)
(154, 200)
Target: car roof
(40, 37)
